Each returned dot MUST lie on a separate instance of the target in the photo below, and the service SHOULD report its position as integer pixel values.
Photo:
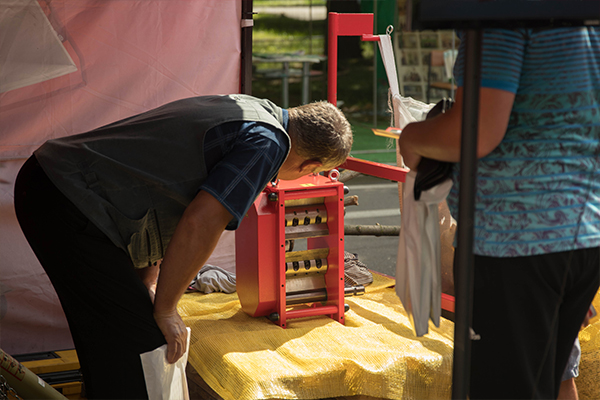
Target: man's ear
(310, 166)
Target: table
(375, 355)
(285, 59)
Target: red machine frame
(354, 25)
(361, 25)
(262, 291)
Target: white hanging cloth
(404, 109)
(418, 266)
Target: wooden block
(66, 361)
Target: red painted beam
(375, 169)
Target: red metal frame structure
(261, 255)
(354, 25)
(261, 263)
(361, 25)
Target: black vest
(135, 177)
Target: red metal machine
(284, 285)
(272, 282)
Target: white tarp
(30, 49)
(130, 56)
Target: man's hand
(172, 326)
(194, 240)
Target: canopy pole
(246, 43)
(464, 261)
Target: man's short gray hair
(320, 131)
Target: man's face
(299, 173)
(292, 171)
(296, 174)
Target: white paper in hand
(166, 381)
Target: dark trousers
(109, 311)
(528, 312)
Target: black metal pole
(463, 279)
(246, 44)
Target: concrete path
(378, 202)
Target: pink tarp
(130, 56)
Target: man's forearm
(193, 242)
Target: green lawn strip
(278, 34)
(288, 3)
(368, 146)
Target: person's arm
(148, 276)
(438, 138)
(194, 240)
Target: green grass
(383, 149)
(278, 34)
(278, 3)
(275, 26)
(357, 98)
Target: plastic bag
(404, 109)
(166, 381)
(418, 268)
(409, 110)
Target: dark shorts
(528, 312)
(108, 308)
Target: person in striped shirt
(537, 210)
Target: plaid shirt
(241, 158)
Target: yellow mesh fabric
(375, 354)
(588, 382)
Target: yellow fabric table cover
(375, 354)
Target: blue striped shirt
(241, 159)
(539, 191)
